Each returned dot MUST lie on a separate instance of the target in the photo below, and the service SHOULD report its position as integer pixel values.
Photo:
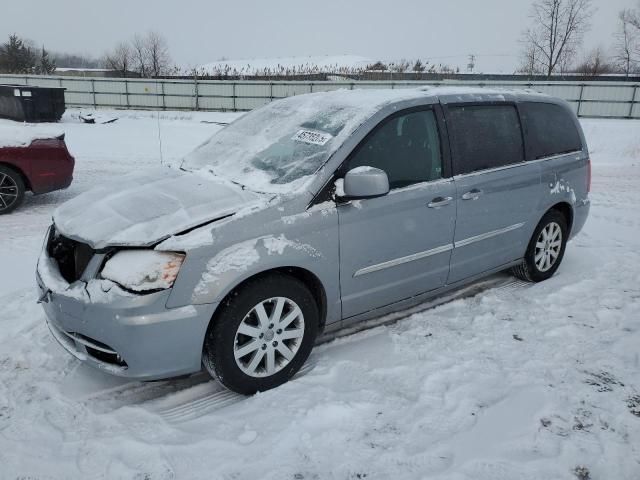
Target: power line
(476, 55)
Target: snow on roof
(17, 134)
(313, 64)
(371, 97)
(450, 90)
(365, 99)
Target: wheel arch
(308, 278)
(19, 171)
(566, 210)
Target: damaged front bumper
(124, 334)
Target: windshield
(277, 148)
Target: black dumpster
(27, 103)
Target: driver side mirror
(365, 182)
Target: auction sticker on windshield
(312, 136)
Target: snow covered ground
(518, 382)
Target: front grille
(71, 256)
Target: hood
(143, 209)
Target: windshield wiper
(210, 170)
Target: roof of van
(447, 90)
(480, 93)
(371, 100)
(447, 94)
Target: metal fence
(589, 99)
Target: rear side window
(485, 136)
(550, 130)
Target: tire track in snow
(188, 399)
(202, 400)
(185, 399)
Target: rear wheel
(263, 334)
(545, 250)
(11, 189)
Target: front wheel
(263, 334)
(545, 250)
(11, 190)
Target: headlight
(143, 270)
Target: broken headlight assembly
(143, 270)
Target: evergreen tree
(16, 56)
(46, 66)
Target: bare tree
(158, 54)
(120, 59)
(557, 32)
(595, 63)
(147, 56)
(399, 67)
(627, 46)
(530, 62)
(140, 55)
(567, 60)
(633, 16)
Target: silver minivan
(305, 216)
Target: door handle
(439, 202)
(472, 194)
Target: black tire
(218, 352)
(528, 270)
(11, 190)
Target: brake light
(588, 175)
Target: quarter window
(550, 130)
(406, 147)
(485, 136)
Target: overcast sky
(204, 31)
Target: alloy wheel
(268, 337)
(8, 191)
(548, 246)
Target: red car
(33, 159)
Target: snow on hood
(17, 134)
(142, 209)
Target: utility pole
(472, 63)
